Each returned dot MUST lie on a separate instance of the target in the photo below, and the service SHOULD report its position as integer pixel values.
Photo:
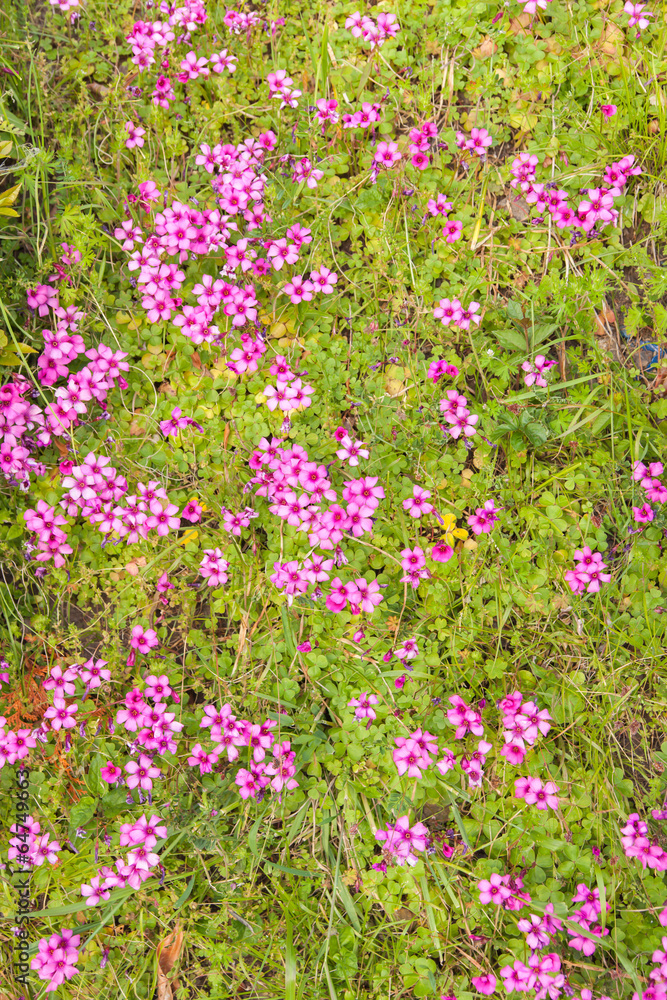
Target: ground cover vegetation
(332, 524)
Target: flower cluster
(147, 36)
(400, 840)
(593, 213)
(373, 32)
(537, 369)
(636, 844)
(437, 369)
(655, 491)
(523, 724)
(94, 491)
(421, 141)
(283, 471)
(451, 311)
(477, 142)
(505, 891)
(237, 21)
(56, 957)
(289, 393)
(484, 518)
(455, 409)
(587, 574)
(51, 540)
(141, 837)
(230, 734)
(30, 846)
(213, 567)
(366, 117)
(280, 86)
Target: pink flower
(213, 567)
(192, 511)
(362, 706)
(637, 14)
(439, 205)
(479, 140)
(448, 311)
(408, 650)
(401, 840)
(442, 552)
(94, 892)
(143, 640)
(485, 984)
(351, 450)
(192, 67)
(175, 423)
(418, 503)
(608, 110)
(537, 370)
(447, 763)
(642, 515)
(61, 715)
(465, 719)
(110, 773)
(387, 154)
(198, 756)
(135, 134)
(484, 518)
(537, 793)
(248, 784)
(493, 890)
(299, 290)
(324, 280)
(409, 759)
(514, 752)
(141, 773)
(452, 230)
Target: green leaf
(537, 434)
(364, 78)
(511, 340)
(83, 811)
(185, 895)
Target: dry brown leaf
(603, 320)
(168, 952)
(167, 388)
(487, 48)
(612, 39)
(133, 567)
(519, 209)
(519, 24)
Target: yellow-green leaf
(6, 147)
(9, 211)
(9, 196)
